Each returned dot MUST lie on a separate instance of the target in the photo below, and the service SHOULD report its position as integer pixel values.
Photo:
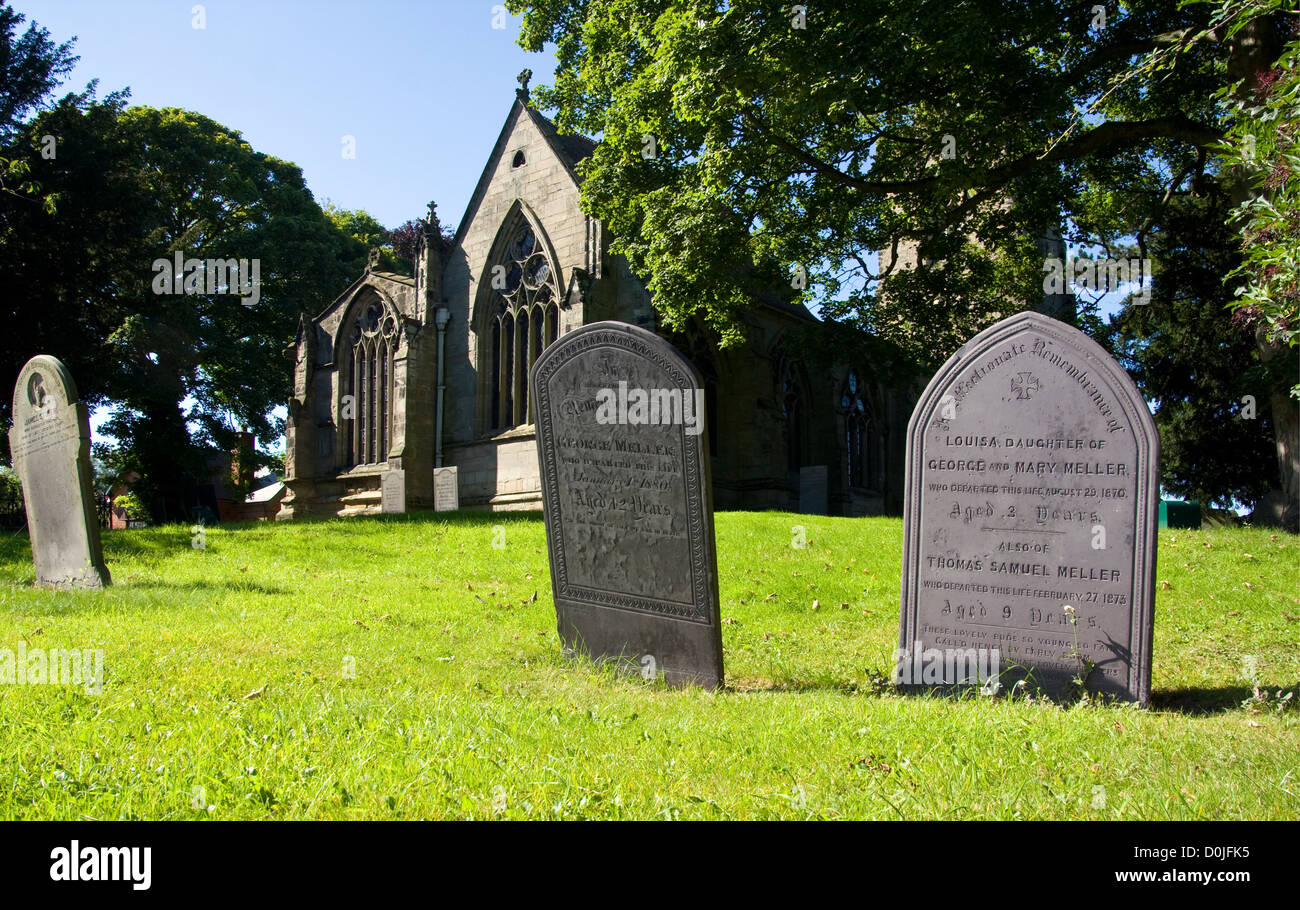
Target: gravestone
(446, 490)
(628, 505)
(50, 444)
(1032, 486)
(392, 492)
(814, 495)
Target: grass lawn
(230, 694)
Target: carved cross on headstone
(1024, 385)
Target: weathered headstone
(446, 489)
(392, 492)
(50, 444)
(1032, 486)
(628, 503)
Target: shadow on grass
(1203, 701)
(144, 541)
(241, 587)
(462, 517)
(100, 600)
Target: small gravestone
(446, 490)
(1032, 487)
(50, 444)
(626, 490)
(392, 492)
(814, 497)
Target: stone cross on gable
(524, 78)
(372, 262)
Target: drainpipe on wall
(441, 317)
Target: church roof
(797, 310)
(394, 276)
(366, 277)
(569, 149)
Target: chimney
(241, 459)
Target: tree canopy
(740, 145)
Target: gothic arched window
(863, 444)
(524, 319)
(366, 408)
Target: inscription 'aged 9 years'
(628, 509)
(1032, 486)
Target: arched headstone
(628, 506)
(50, 444)
(1032, 487)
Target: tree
(404, 239)
(1262, 147)
(366, 234)
(739, 146)
(31, 68)
(64, 264)
(184, 371)
(132, 506)
(1190, 357)
(11, 492)
(1259, 102)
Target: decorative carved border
(680, 373)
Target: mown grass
(227, 694)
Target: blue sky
(423, 85)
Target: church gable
(527, 193)
(396, 292)
(529, 165)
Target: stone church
(400, 375)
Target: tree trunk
(1280, 507)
